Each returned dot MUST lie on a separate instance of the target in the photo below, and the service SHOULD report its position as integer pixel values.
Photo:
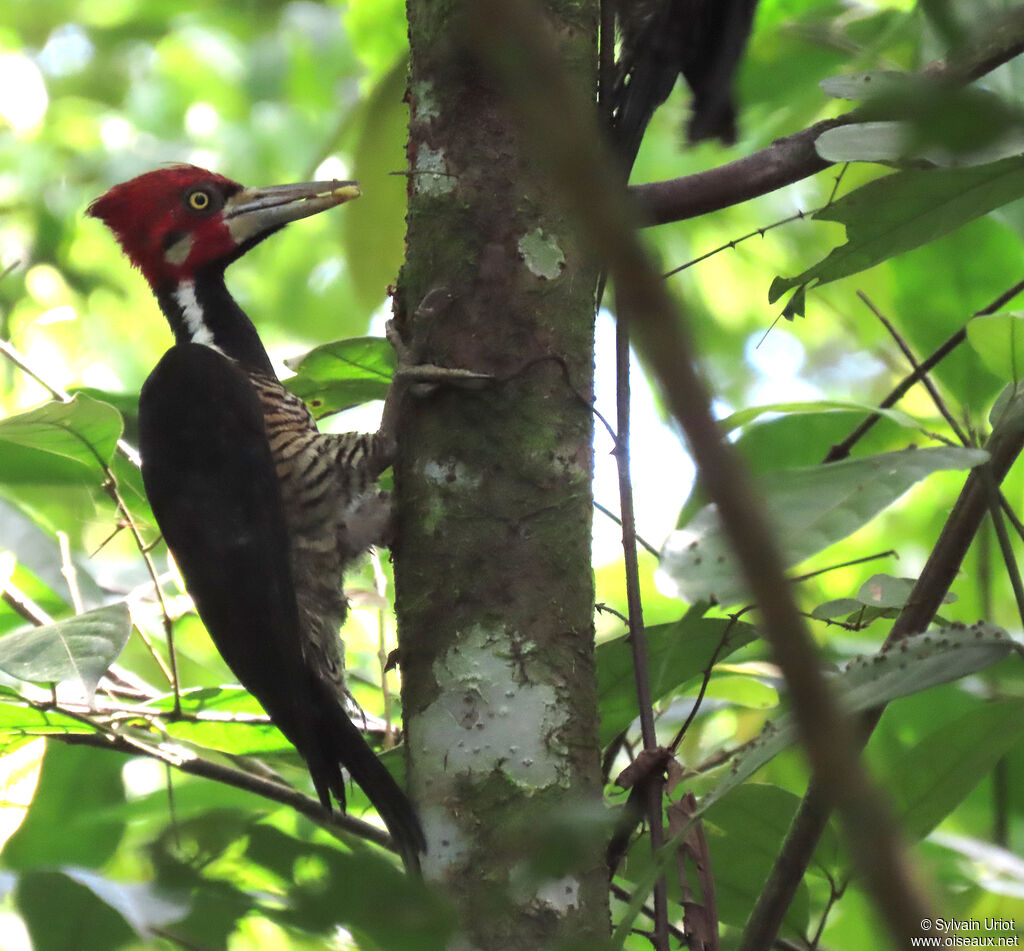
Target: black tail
(341, 742)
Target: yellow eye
(199, 201)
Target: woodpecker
(261, 511)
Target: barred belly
(334, 513)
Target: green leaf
(84, 430)
(411, 911)
(810, 507)
(374, 226)
(676, 652)
(864, 85)
(61, 913)
(745, 416)
(914, 664)
(751, 826)
(933, 777)
(999, 341)
(18, 722)
(74, 818)
(78, 648)
(905, 210)
(344, 373)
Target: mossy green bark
(494, 585)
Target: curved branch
(793, 158)
(240, 779)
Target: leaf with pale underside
(811, 508)
(79, 648)
(864, 683)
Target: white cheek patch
(192, 314)
(177, 254)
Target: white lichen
(431, 175)
(487, 719)
(541, 254)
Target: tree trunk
(493, 578)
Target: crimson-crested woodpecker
(261, 511)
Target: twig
(705, 680)
(229, 775)
(11, 352)
(933, 392)
(622, 894)
(891, 553)
(380, 584)
(1005, 546)
(799, 216)
(24, 605)
(110, 485)
(67, 568)
(842, 449)
(618, 521)
(637, 635)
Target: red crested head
(178, 221)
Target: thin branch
(654, 787)
(933, 392)
(608, 513)
(842, 449)
(110, 485)
(792, 158)
(891, 553)
(705, 680)
(799, 216)
(231, 776)
(11, 352)
(23, 605)
(623, 895)
(70, 573)
(1005, 545)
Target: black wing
(210, 479)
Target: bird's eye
(201, 200)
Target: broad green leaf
(413, 909)
(855, 86)
(905, 210)
(238, 739)
(343, 373)
(880, 596)
(374, 227)
(61, 913)
(74, 818)
(19, 722)
(78, 648)
(811, 508)
(999, 341)
(745, 832)
(84, 430)
(676, 653)
(896, 141)
(20, 766)
(744, 416)
(931, 779)
(866, 682)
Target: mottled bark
(494, 585)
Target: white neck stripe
(192, 314)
